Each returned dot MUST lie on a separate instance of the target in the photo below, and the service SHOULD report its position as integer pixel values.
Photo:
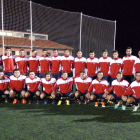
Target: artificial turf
(74, 122)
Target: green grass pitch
(74, 122)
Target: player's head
(115, 54)
(91, 54)
(16, 73)
(34, 52)
(45, 52)
(66, 52)
(55, 52)
(128, 51)
(139, 53)
(8, 51)
(31, 74)
(64, 75)
(21, 52)
(100, 75)
(83, 74)
(137, 75)
(79, 53)
(1, 74)
(104, 53)
(48, 75)
(119, 76)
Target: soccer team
(46, 77)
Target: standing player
(128, 65)
(17, 86)
(4, 86)
(48, 83)
(119, 86)
(67, 62)
(80, 63)
(33, 86)
(99, 86)
(34, 63)
(56, 65)
(137, 63)
(115, 65)
(134, 91)
(82, 84)
(8, 62)
(22, 62)
(104, 64)
(64, 86)
(45, 63)
(92, 65)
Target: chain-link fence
(67, 28)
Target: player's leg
(59, 96)
(43, 97)
(70, 95)
(6, 92)
(86, 100)
(124, 100)
(23, 96)
(93, 98)
(13, 95)
(29, 96)
(77, 96)
(37, 93)
(53, 96)
(103, 96)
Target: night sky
(125, 12)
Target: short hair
(21, 50)
(55, 50)
(64, 72)
(16, 70)
(129, 48)
(78, 51)
(82, 71)
(31, 71)
(48, 73)
(91, 51)
(45, 49)
(137, 72)
(66, 50)
(1, 71)
(33, 50)
(7, 48)
(115, 51)
(99, 72)
(105, 50)
(119, 72)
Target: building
(17, 40)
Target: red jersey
(17, 83)
(64, 85)
(104, 65)
(45, 64)
(119, 87)
(22, 64)
(48, 85)
(8, 63)
(98, 86)
(34, 64)
(115, 66)
(4, 83)
(56, 64)
(137, 65)
(67, 63)
(92, 66)
(80, 64)
(128, 65)
(33, 84)
(82, 85)
(134, 89)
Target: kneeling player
(17, 85)
(82, 84)
(64, 86)
(33, 85)
(4, 85)
(48, 83)
(99, 87)
(119, 86)
(134, 91)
